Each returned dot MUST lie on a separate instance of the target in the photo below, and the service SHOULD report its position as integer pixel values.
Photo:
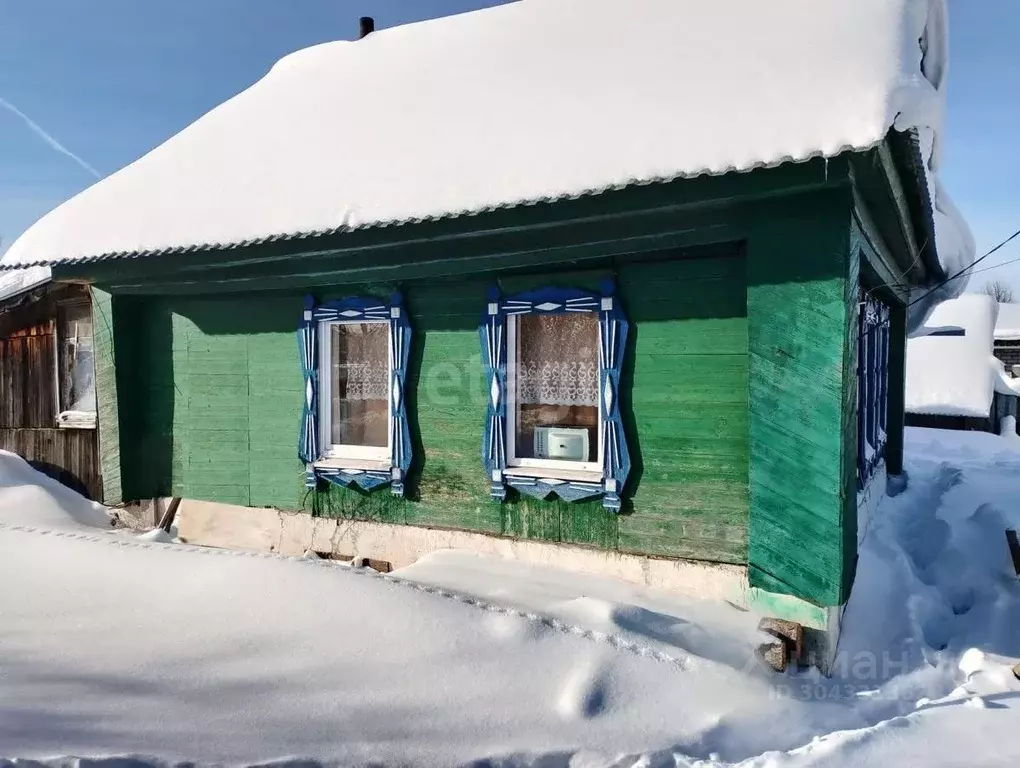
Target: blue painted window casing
(872, 387)
(609, 480)
(355, 309)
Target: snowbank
(708, 630)
(955, 375)
(1007, 325)
(124, 647)
(523, 102)
(28, 497)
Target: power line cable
(1009, 239)
(995, 266)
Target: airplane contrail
(52, 142)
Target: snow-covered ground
(112, 646)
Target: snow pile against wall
(28, 497)
(1007, 325)
(523, 102)
(955, 375)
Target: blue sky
(110, 79)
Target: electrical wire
(1009, 239)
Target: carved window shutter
(493, 338)
(308, 442)
(613, 328)
(616, 457)
(356, 309)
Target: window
(354, 355)
(553, 391)
(552, 360)
(872, 386)
(354, 390)
(76, 385)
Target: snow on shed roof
(18, 281)
(529, 101)
(1007, 326)
(955, 375)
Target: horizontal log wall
(69, 455)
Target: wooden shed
(47, 383)
(654, 328)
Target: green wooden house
(598, 293)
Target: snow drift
(28, 497)
(115, 646)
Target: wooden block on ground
(774, 654)
(789, 632)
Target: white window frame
(352, 456)
(552, 468)
(67, 419)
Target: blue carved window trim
(872, 386)
(613, 327)
(353, 309)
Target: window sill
(378, 465)
(76, 420)
(577, 475)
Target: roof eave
(908, 163)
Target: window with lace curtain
(354, 390)
(553, 391)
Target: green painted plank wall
(800, 334)
(107, 411)
(688, 400)
(219, 399)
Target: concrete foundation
(294, 533)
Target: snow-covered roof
(529, 101)
(955, 375)
(1007, 326)
(18, 281)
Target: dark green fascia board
(685, 194)
(600, 241)
(594, 242)
(884, 221)
(879, 270)
(898, 213)
(907, 159)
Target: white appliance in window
(564, 443)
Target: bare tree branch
(1000, 291)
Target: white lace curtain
(361, 361)
(557, 361)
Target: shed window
(355, 392)
(872, 387)
(76, 385)
(553, 390)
